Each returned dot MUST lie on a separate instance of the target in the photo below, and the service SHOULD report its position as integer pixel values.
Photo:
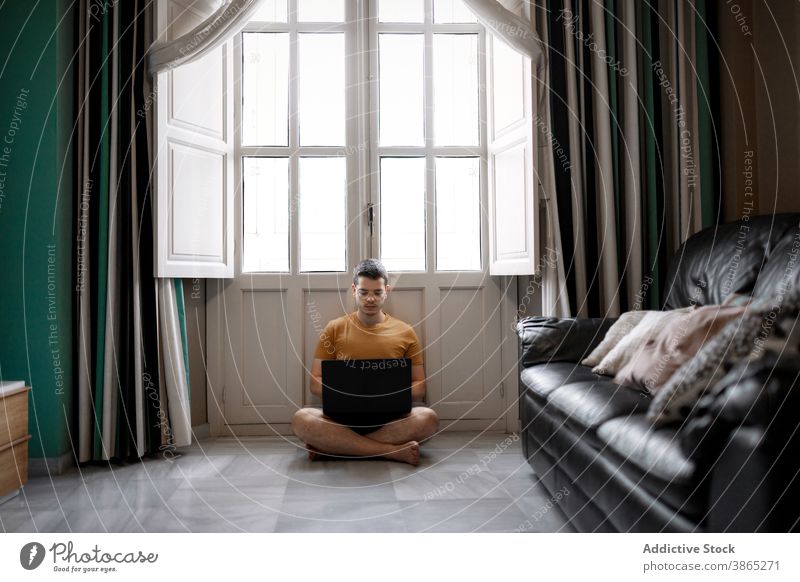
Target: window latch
(370, 217)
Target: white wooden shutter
(194, 154)
(513, 204)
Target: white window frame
(363, 163)
(354, 128)
(429, 151)
(362, 153)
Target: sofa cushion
(541, 380)
(676, 398)
(657, 451)
(632, 344)
(676, 343)
(655, 460)
(622, 327)
(587, 405)
(555, 448)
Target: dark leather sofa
(734, 465)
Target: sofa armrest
(553, 339)
(753, 486)
(744, 439)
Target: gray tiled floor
(255, 484)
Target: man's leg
(420, 425)
(317, 430)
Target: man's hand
(417, 383)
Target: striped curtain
(630, 140)
(132, 371)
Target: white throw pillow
(631, 344)
(622, 327)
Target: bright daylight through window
(301, 95)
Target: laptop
(366, 392)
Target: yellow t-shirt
(346, 338)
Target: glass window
(458, 232)
(455, 89)
(323, 211)
(296, 105)
(401, 89)
(451, 11)
(265, 89)
(320, 10)
(321, 88)
(266, 214)
(401, 11)
(271, 11)
(402, 213)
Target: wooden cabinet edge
(15, 443)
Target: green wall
(36, 185)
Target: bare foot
(313, 454)
(406, 453)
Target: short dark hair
(372, 269)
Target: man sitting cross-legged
(364, 334)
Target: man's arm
(316, 377)
(417, 383)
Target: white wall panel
(266, 353)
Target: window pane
(323, 199)
(271, 11)
(451, 11)
(458, 230)
(455, 86)
(401, 11)
(266, 214)
(321, 88)
(320, 11)
(265, 89)
(402, 213)
(401, 90)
